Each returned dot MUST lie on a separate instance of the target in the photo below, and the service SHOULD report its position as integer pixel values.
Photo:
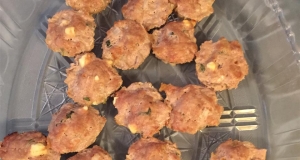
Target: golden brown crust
(221, 65)
(175, 42)
(17, 146)
(194, 9)
(140, 108)
(153, 149)
(193, 107)
(90, 6)
(236, 150)
(50, 156)
(127, 45)
(149, 13)
(91, 80)
(70, 32)
(74, 128)
(95, 153)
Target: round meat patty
(90, 6)
(73, 128)
(193, 107)
(29, 145)
(221, 65)
(95, 153)
(140, 108)
(149, 13)
(236, 150)
(127, 45)
(153, 149)
(70, 32)
(194, 9)
(91, 80)
(175, 42)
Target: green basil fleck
(202, 67)
(31, 141)
(86, 98)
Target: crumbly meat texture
(29, 145)
(91, 80)
(153, 149)
(175, 42)
(95, 153)
(193, 107)
(149, 13)
(193, 9)
(221, 65)
(234, 149)
(90, 6)
(51, 155)
(127, 45)
(140, 108)
(70, 32)
(74, 127)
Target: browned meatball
(95, 153)
(51, 155)
(194, 107)
(127, 45)
(29, 145)
(91, 80)
(149, 13)
(236, 150)
(74, 128)
(153, 149)
(221, 65)
(194, 9)
(70, 32)
(140, 108)
(90, 6)
(175, 42)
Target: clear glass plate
(32, 87)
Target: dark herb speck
(31, 141)
(202, 67)
(86, 98)
(148, 112)
(108, 43)
(69, 114)
(219, 66)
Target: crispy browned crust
(193, 107)
(50, 156)
(92, 83)
(175, 42)
(228, 60)
(81, 40)
(149, 13)
(153, 149)
(127, 45)
(194, 9)
(74, 128)
(95, 153)
(16, 146)
(90, 6)
(140, 108)
(234, 149)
